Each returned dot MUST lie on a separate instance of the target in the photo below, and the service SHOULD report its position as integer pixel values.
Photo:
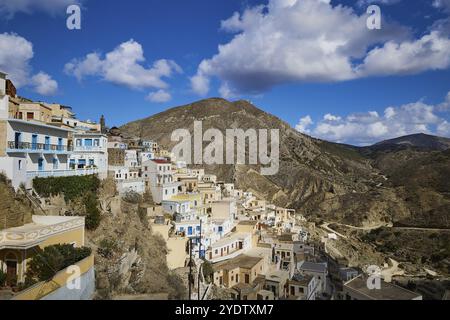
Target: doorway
(11, 272)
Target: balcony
(61, 173)
(89, 149)
(29, 147)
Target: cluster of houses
(39, 139)
(257, 250)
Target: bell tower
(4, 98)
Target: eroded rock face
(136, 262)
(15, 210)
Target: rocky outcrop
(15, 210)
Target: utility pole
(200, 257)
(190, 268)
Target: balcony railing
(61, 173)
(35, 147)
(90, 148)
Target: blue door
(55, 164)
(47, 143)
(17, 140)
(60, 145)
(41, 164)
(34, 139)
(189, 231)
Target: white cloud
(445, 106)
(304, 124)
(16, 54)
(124, 66)
(330, 117)
(370, 127)
(431, 52)
(363, 3)
(159, 96)
(314, 41)
(44, 84)
(442, 4)
(11, 7)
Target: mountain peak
(419, 140)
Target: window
(78, 142)
(30, 115)
(55, 164)
(20, 164)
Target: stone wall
(116, 157)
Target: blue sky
(313, 63)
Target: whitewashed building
(159, 179)
(90, 152)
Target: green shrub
(177, 289)
(208, 271)
(52, 259)
(93, 216)
(132, 197)
(2, 278)
(107, 247)
(70, 187)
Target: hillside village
(225, 243)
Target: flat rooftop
(248, 223)
(40, 229)
(388, 291)
(230, 238)
(241, 261)
(314, 266)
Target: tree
(208, 271)
(93, 216)
(47, 262)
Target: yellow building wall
(43, 289)
(75, 236)
(177, 255)
(23, 257)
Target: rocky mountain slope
(423, 141)
(322, 180)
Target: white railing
(90, 148)
(61, 173)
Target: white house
(90, 151)
(131, 159)
(158, 176)
(229, 247)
